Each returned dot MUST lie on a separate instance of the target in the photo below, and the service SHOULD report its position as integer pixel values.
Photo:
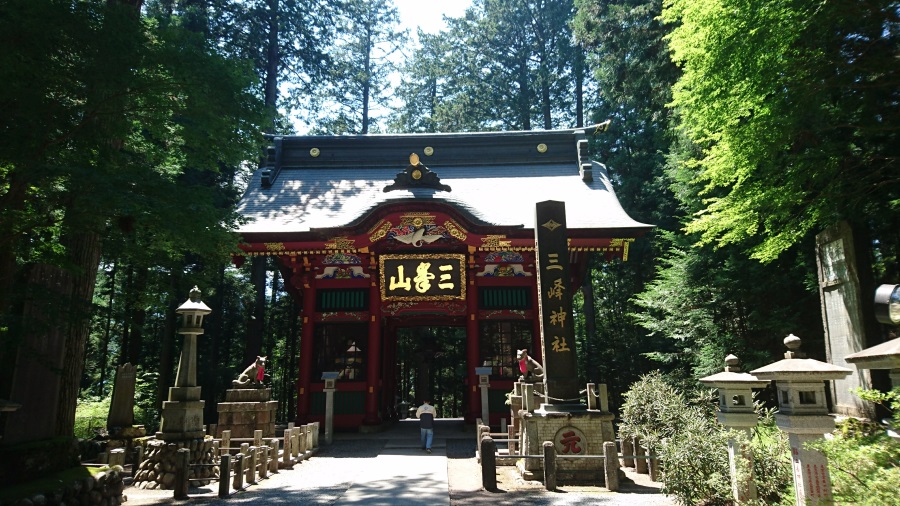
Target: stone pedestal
(246, 410)
(812, 482)
(182, 415)
(573, 433)
(157, 471)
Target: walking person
(426, 414)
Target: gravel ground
(326, 478)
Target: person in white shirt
(426, 414)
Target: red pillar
(306, 351)
(472, 348)
(373, 376)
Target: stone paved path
(390, 469)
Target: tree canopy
(793, 107)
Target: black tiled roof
(495, 178)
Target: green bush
(864, 462)
(91, 414)
(693, 446)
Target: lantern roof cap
(194, 304)
(794, 367)
(882, 356)
(733, 377)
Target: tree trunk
(367, 72)
(579, 86)
(103, 362)
(167, 339)
(84, 254)
(272, 61)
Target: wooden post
(653, 468)
(224, 475)
(549, 466)
(611, 466)
(226, 441)
(640, 463)
(488, 464)
(117, 457)
(302, 439)
(251, 468)
(238, 471)
(257, 438)
(288, 449)
(182, 462)
(273, 456)
(138, 458)
(263, 461)
(627, 452)
(483, 432)
(604, 397)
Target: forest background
(740, 129)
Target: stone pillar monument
(562, 418)
(736, 412)
(182, 414)
(803, 415)
(555, 308)
(181, 426)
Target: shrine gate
(375, 233)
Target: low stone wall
(25, 461)
(102, 489)
(157, 471)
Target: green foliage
(708, 303)
(792, 107)
(771, 452)
(368, 35)
(653, 410)
(693, 447)
(864, 463)
(502, 66)
(90, 414)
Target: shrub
(90, 416)
(693, 446)
(864, 462)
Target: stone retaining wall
(157, 471)
(102, 489)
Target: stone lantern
(803, 415)
(182, 414)
(882, 356)
(736, 412)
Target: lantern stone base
(181, 420)
(157, 471)
(246, 410)
(572, 433)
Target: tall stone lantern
(803, 415)
(182, 414)
(736, 412)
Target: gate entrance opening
(431, 364)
